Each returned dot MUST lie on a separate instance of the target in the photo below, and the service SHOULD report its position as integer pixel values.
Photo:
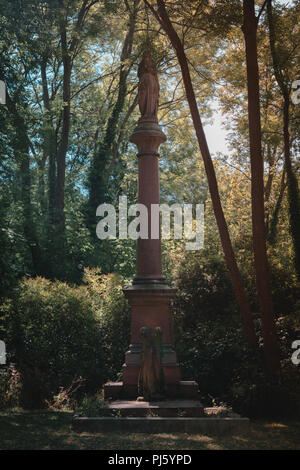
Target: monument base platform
(166, 408)
(207, 424)
(180, 390)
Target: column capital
(147, 136)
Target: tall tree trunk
(50, 147)
(106, 150)
(22, 155)
(69, 48)
(257, 192)
(272, 230)
(116, 145)
(292, 183)
(162, 16)
(41, 183)
(63, 147)
(28, 225)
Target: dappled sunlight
(87, 434)
(240, 438)
(276, 425)
(213, 446)
(17, 424)
(199, 438)
(167, 436)
(53, 431)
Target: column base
(180, 390)
(150, 307)
(150, 282)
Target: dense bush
(212, 350)
(10, 387)
(205, 290)
(285, 292)
(207, 328)
(55, 332)
(59, 335)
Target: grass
(51, 430)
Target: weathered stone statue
(151, 380)
(148, 91)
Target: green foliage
(64, 399)
(107, 298)
(207, 332)
(253, 395)
(10, 387)
(90, 405)
(285, 291)
(294, 215)
(56, 332)
(205, 289)
(212, 349)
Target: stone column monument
(149, 296)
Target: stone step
(166, 408)
(202, 425)
(182, 390)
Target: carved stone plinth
(183, 390)
(150, 307)
(166, 408)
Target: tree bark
(272, 226)
(59, 215)
(162, 16)
(69, 50)
(50, 147)
(22, 155)
(257, 192)
(106, 150)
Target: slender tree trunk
(22, 156)
(106, 151)
(271, 162)
(50, 148)
(257, 192)
(41, 183)
(271, 234)
(113, 121)
(29, 227)
(162, 16)
(116, 145)
(63, 147)
(69, 48)
(292, 183)
(268, 185)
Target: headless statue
(151, 380)
(148, 91)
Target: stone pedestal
(150, 307)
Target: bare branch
(261, 10)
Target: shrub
(212, 350)
(64, 400)
(254, 395)
(10, 387)
(209, 354)
(90, 405)
(55, 332)
(204, 290)
(207, 327)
